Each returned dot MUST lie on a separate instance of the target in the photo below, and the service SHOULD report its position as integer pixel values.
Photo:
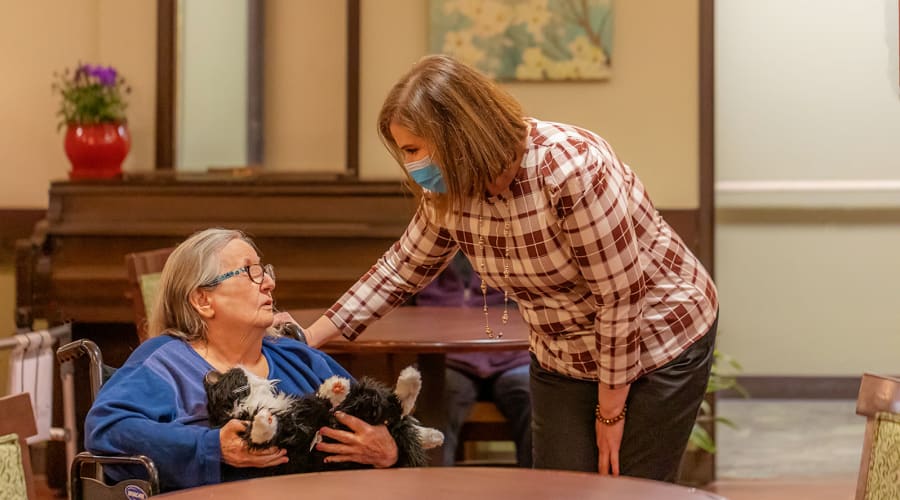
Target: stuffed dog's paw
(430, 437)
(263, 427)
(334, 389)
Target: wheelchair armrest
(78, 348)
(75, 478)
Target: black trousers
(662, 408)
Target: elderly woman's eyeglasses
(256, 273)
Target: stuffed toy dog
(292, 423)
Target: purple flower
(93, 94)
(105, 75)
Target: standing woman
(622, 316)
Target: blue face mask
(426, 174)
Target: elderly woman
(214, 311)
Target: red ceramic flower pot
(97, 151)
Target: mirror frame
(166, 74)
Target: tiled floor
(789, 438)
(788, 449)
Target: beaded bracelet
(609, 421)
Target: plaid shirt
(608, 289)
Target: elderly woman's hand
(366, 444)
(236, 453)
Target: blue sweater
(155, 405)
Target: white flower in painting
(563, 70)
(580, 46)
(534, 65)
(493, 19)
(534, 15)
(592, 63)
(457, 41)
(473, 9)
(459, 45)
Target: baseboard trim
(809, 387)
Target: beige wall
(42, 36)
(68, 32)
(128, 41)
(305, 85)
(809, 293)
(812, 291)
(648, 110)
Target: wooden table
(429, 333)
(428, 330)
(446, 483)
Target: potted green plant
(92, 110)
(697, 465)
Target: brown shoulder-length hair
(475, 128)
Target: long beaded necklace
(507, 256)
(506, 260)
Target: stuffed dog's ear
(212, 378)
(409, 383)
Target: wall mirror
(272, 84)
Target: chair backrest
(16, 419)
(143, 277)
(879, 470)
(484, 423)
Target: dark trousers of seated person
(662, 408)
(508, 390)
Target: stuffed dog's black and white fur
(292, 423)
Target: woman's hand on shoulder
(236, 453)
(363, 443)
(283, 318)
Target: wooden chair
(143, 276)
(16, 417)
(484, 423)
(879, 470)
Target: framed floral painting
(533, 40)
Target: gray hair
(194, 263)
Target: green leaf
(85, 99)
(705, 408)
(725, 421)
(701, 439)
(718, 380)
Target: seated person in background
(214, 311)
(501, 377)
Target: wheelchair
(95, 487)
